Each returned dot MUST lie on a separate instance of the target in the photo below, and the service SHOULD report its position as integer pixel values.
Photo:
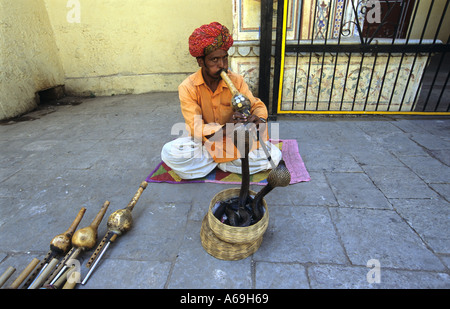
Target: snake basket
(230, 242)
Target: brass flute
(59, 245)
(118, 223)
(83, 239)
(239, 102)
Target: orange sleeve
(192, 113)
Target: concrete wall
(29, 60)
(97, 47)
(117, 47)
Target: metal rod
(38, 274)
(337, 56)
(296, 59)
(393, 41)
(444, 86)
(442, 55)
(310, 57)
(72, 255)
(45, 273)
(38, 269)
(368, 48)
(58, 283)
(265, 51)
(423, 34)
(95, 263)
(414, 61)
(370, 81)
(58, 271)
(323, 57)
(345, 81)
(53, 277)
(357, 81)
(278, 56)
(399, 68)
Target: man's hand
(238, 117)
(255, 119)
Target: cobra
(246, 210)
(278, 177)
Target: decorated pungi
(83, 240)
(59, 246)
(118, 223)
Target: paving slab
(357, 190)
(196, 269)
(379, 189)
(427, 168)
(355, 277)
(300, 234)
(128, 274)
(429, 218)
(399, 182)
(280, 276)
(369, 234)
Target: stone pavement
(379, 190)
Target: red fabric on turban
(208, 38)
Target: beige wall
(97, 47)
(433, 22)
(131, 46)
(29, 60)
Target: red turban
(208, 38)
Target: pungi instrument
(118, 223)
(59, 246)
(82, 240)
(239, 102)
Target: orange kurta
(206, 112)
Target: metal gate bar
(420, 105)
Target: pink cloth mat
(290, 154)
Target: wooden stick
(6, 275)
(24, 274)
(45, 273)
(61, 280)
(72, 280)
(135, 198)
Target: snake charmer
(205, 102)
